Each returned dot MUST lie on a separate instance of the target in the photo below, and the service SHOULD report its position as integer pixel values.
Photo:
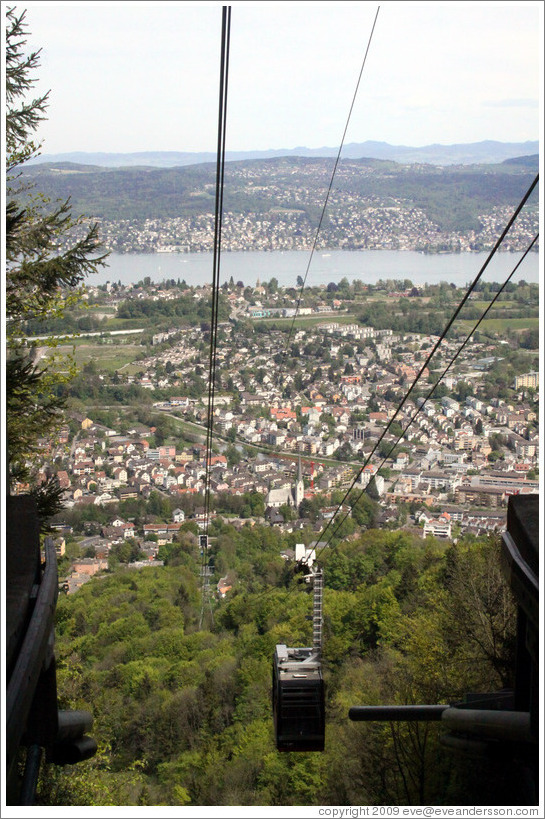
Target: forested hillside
(183, 713)
(452, 197)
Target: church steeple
(299, 488)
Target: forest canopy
(183, 714)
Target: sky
(134, 76)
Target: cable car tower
(298, 686)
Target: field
(108, 356)
(501, 326)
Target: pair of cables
(321, 545)
(455, 315)
(218, 219)
(220, 173)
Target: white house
(439, 527)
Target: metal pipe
(30, 776)
(30, 660)
(394, 713)
(73, 724)
(70, 753)
(485, 724)
(508, 726)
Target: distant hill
(487, 152)
(452, 197)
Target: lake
(368, 265)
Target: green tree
(232, 454)
(287, 512)
(47, 259)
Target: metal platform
(33, 720)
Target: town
(311, 412)
(275, 205)
(376, 225)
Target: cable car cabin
(298, 700)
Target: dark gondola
(298, 700)
(298, 687)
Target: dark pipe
(395, 713)
(70, 753)
(73, 724)
(30, 777)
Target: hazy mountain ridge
(488, 151)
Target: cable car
(298, 700)
(298, 687)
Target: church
(287, 495)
